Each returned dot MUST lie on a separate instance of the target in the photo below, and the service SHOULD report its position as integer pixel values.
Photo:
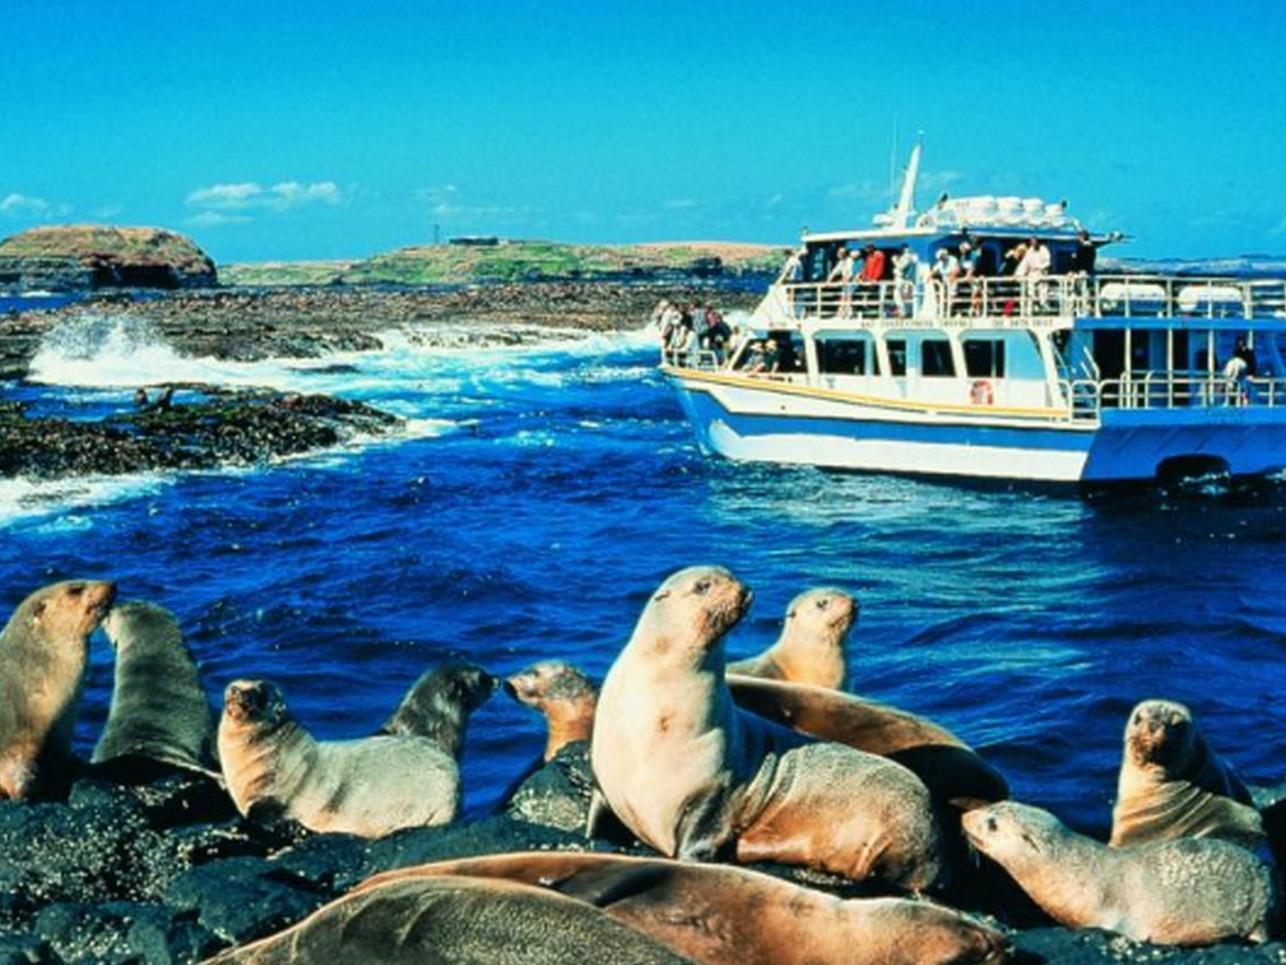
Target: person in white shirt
(905, 266)
(843, 272)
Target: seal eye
(702, 587)
(992, 825)
(76, 589)
(823, 604)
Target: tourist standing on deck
(792, 273)
(968, 292)
(945, 270)
(843, 273)
(872, 275)
(905, 268)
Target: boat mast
(906, 201)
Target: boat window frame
(942, 352)
(871, 356)
(890, 340)
(995, 368)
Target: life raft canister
(980, 393)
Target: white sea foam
(28, 499)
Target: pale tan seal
(455, 921)
(694, 777)
(44, 650)
(953, 771)
(369, 787)
(563, 694)
(1172, 785)
(724, 915)
(439, 703)
(810, 649)
(1190, 891)
(159, 709)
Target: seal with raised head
(563, 694)
(1172, 785)
(368, 787)
(1189, 891)
(159, 709)
(725, 915)
(694, 777)
(439, 703)
(44, 650)
(810, 649)
(449, 919)
(950, 768)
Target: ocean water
(542, 493)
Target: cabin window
(935, 359)
(897, 355)
(984, 358)
(853, 355)
(790, 349)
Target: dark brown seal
(439, 703)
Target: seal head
(811, 648)
(438, 705)
(563, 694)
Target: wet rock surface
(558, 794)
(207, 427)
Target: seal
(455, 919)
(725, 915)
(44, 650)
(810, 649)
(1190, 891)
(694, 777)
(1172, 785)
(159, 709)
(368, 787)
(953, 772)
(564, 695)
(439, 703)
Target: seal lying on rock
(1191, 891)
(43, 653)
(810, 649)
(724, 915)
(1172, 785)
(694, 777)
(367, 787)
(951, 770)
(438, 705)
(563, 694)
(452, 919)
(159, 708)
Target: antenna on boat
(906, 200)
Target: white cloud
(213, 219)
(22, 204)
(444, 202)
(249, 197)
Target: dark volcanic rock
(240, 899)
(494, 835)
(24, 950)
(331, 862)
(556, 795)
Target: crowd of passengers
(859, 274)
(692, 328)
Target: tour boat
(1057, 373)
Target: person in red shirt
(872, 275)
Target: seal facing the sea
(44, 650)
(159, 709)
(564, 695)
(1173, 785)
(1190, 891)
(368, 787)
(810, 649)
(694, 777)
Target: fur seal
(44, 650)
(564, 695)
(1172, 785)
(369, 787)
(810, 649)
(454, 920)
(439, 703)
(695, 778)
(724, 915)
(1190, 891)
(159, 709)
(950, 769)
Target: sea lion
(1190, 891)
(368, 787)
(724, 915)
(159, 709)
(1172, 785)
(439, 703)
(44, 650)
(695, 778)
(563, 694)
(810, 649)
(454, 920)
(950, 769)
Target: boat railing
(706, 360)
(1079, 295)
(1086, 398)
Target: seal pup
(439, 703)
(159, 709)
(811, 648)
(695, 778)
(368, 787)
(1172, 785)
(950, 768)
(563, 695)
(44, 650)
(1190, 891)
(725, 915)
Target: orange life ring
(980, 393)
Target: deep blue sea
(542, 493)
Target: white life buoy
(980, 393)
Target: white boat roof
(981, 214)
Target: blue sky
(328, 129)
